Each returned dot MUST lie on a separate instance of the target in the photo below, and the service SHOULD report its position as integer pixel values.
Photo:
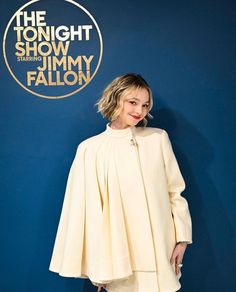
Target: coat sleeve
(69, 243)
(91, 237)
(176, 185)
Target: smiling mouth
(135, 117)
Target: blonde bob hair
(110, 103)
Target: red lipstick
(135, 117)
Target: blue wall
(186, 51)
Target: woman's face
(135, 107)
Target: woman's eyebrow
(137, 99)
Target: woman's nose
(139, 110)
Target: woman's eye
(132, 102)
(145, 105)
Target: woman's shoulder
(90, 141)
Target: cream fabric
(123, 212)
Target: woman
(124, 224)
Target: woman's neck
(118, 126)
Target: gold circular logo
(52, 48)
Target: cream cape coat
(123, 211)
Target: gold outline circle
(31, 91)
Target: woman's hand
(101, 286)
(178, 254)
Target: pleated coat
(123, 212)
